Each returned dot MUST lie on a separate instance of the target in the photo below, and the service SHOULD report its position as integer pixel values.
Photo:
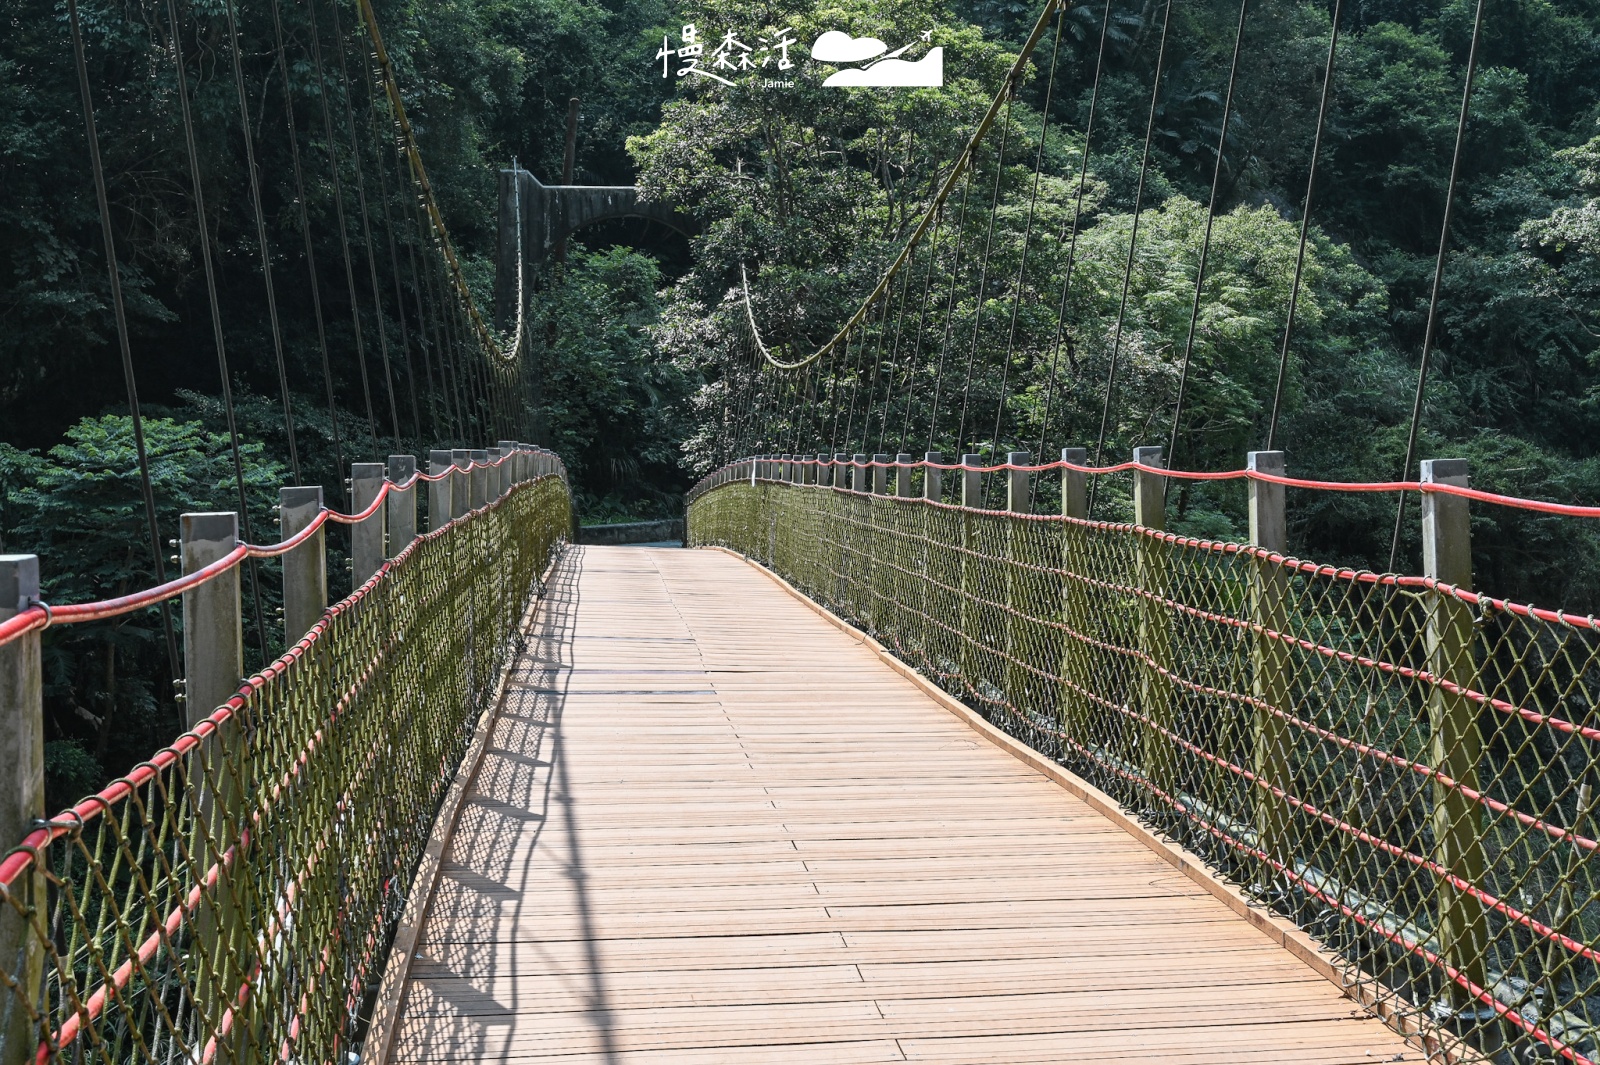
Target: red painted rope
(1569, 510)
(42, 615)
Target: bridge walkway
(710, 827)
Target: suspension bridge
(946, 755)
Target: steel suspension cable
(344, 232)
(1430, 332)
(204, 236)
(1305, 225)
(950, 308)
(983, 266)
(261, 240)
(1027, 234)
(305, 232)
(922, 322)
(416, 294)
(341, 44)
(394, 257)
(1133, 244)
(119, 312)
(1077, 219)
(1205, 243)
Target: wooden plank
(711, 827)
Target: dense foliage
(1514, 377)
(641, 354)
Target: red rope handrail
(43, 615)
(1570, 510)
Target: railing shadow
(511, 926)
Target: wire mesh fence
(1405, 768)
(233, 898)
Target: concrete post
(858, 473)
(213, 636)
(1077, 712)
(1271, 683)
(1155, 624)
(823, 474)
(880, 474)
(1018, 483)
(841, 470)
(902, 474)
(971, 482)
(493, 473)
(511, 451)
(932, 479)
(402, 504)
(366, 537)
(305, 569)
(440, 507)
(480, 478)
(460, 482)
(1457, 742)
(22, 950)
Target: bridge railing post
(510, 451)
(841, 470)
(880, 474)
(1271, 668)
(941, 561)
(305, 569)
(1076, 710)
(213, 657)
(25, 919)
(1026, 596)
(903, 468)
(480, 478)
(858, 473)
(971, 578)
(1155, 629)
(402, 504)
(440, 506)
(367, 537)
(1457, 742)
(460, 482)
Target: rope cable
(1133, 243)
(394, 256)
(1438, 276)
(1007, 88)
(204, 237)
(1205, 243)
(983, 267)
(922, 322)
(1027, 233)
(949, 310)
(119, 312)
(345, 92)
(1305, 225)
(344, 233)
(261, 239)
(305, 233)
(1077, 218)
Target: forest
(812, 189)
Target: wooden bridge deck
(710, 827)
